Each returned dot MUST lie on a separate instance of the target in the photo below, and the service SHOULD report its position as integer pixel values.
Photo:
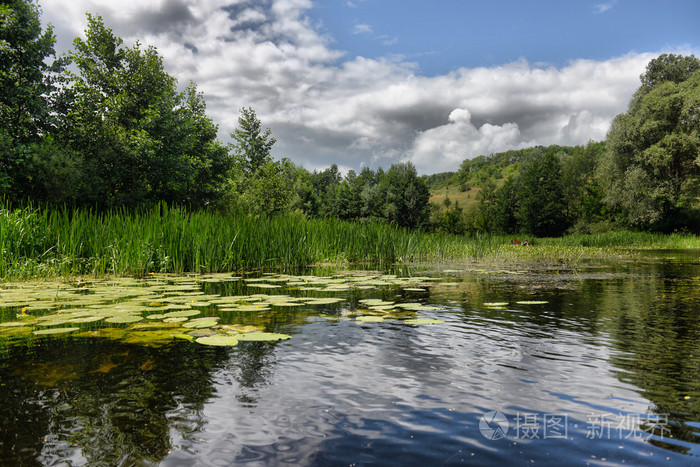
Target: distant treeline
(104, 127)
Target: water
(607, 372)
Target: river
(597, 364)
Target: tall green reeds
(41, 243)
(38, 242)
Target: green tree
(542, 208)
(651, 166)
(251, 145)
(140, 139)
(25, 87)
(407, 195)
(24, 71)
(668, 67)
(484, 215)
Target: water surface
(602, 367)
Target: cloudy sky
(372, 82)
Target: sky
(369, 83)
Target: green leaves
(650, 170)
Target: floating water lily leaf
(186, 337)
(382, 308)
(202, 322)
(10, 324)
(418, 307)
(16, 331)
(532, 302)
(53, 321)
(219, 340)
(495, 304)
(42, 332)
(86, 319)
(239, 328)
(414, 289)
(151, 338)
(370, 319)
(423, 321)
(324, 301)
(151, 326)
(182, 313)
(251, 308)
(262, 336)
(376, 302)
(123, 319)
(175, 320)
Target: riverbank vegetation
(107, 166)
(50, 242)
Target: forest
(105, 127)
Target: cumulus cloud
(326, 107)
(444, 147)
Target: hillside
(464, 185)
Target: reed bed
(40, 242)
(44, 243)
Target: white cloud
(325, 107)
(362, 29)
(601, 8)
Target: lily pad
(202, 322)
(87, 319)
(370, 319)
(423, 321)
(10, 324)
(495, 304)
(262, 336)
(182, 313)
(181, 319)
(42, 332)
(532, 302)
(123, 319)
(324, 301)
(218, 340)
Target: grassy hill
(464, 185)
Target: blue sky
(374, 82)
(442, 35)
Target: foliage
(406, 196)
(41, 242)
(542, 206)
(252, 145)
(26, 83)
(106, 127)
(651, 168)
(24, 78)
(141, 140)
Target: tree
(542, 208)
(252, 145)
(484, 216)
(24, 77)
(668, 67)
(25, 87)
(140, 139)
(651, 167)
(407, 195)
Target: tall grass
(39, 242)
(42, 243)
